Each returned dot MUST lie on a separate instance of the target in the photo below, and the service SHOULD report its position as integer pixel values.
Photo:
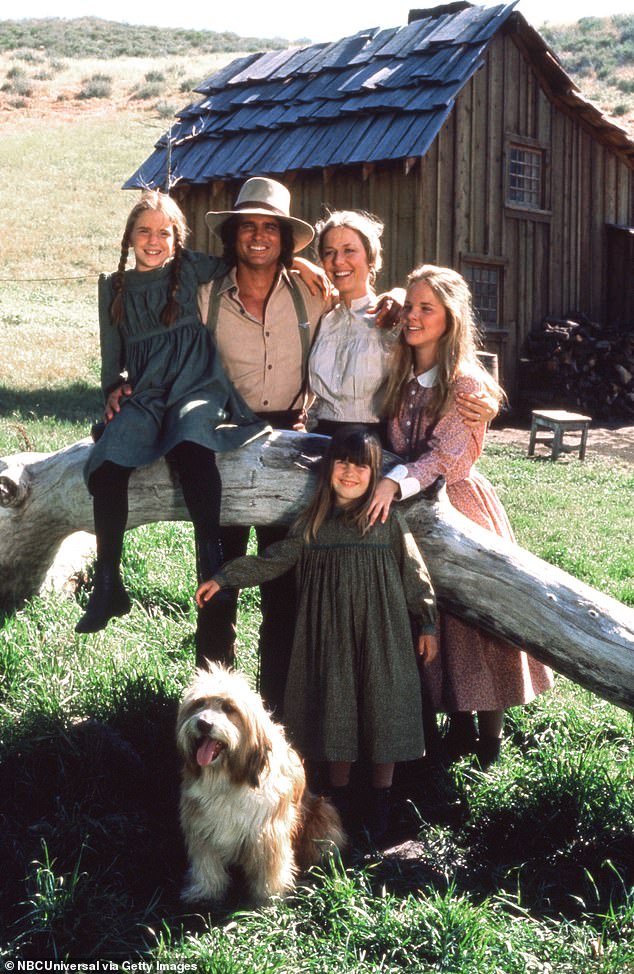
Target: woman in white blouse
(350, 358)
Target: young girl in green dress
(353, 686)
(166, 394)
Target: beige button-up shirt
(263, 359)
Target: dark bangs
(358, 446)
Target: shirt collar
(429, 378)
(360, 304)
(230, 281)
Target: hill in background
(598, 54)
(85, 37)
(56, 64)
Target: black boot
(462, 737)
(107, 600)
(215, 623)
(488, 751)
(341, 798)
(377, 820)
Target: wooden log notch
(582, 633)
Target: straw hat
(264, 197)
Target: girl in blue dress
(166, 395)
(353, 686)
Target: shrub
(21, 86)
(166, 109)
(97, 86)
(189, 84)
(147, 91)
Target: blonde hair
(368, 228)
(361, 447)
(457, 348)
(157, 202)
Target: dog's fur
(244, 800)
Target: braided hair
(159, 203)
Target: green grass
(529, 868)
(575, 516)
(598, 53)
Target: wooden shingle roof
(379, 95)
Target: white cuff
(408, 486)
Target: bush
(147, 91)
(189, 84)
(166, 109)
(20, 85)
(97, 86)
(626, 85)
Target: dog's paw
(197, 896)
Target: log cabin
(461, 131)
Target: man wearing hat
(263, 319)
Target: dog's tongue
(207, 751)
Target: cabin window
(484, 281)
(525, 179)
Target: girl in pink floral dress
(434, 362)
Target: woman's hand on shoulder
(113, 402)
(476, 408)
(386, 491)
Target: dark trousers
(278, 603)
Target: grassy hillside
(94, 37)
(598, 53)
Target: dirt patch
(613, 440)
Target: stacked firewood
(575, 364)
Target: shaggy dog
(244, 800)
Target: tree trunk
(583, 633)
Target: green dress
(353, 684)
(180, 391)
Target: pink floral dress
(474, 670)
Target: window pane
(484, 281)
(525, 177)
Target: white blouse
(349, 364)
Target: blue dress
(180, 391)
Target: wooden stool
(559, 422)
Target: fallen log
(581, 632)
